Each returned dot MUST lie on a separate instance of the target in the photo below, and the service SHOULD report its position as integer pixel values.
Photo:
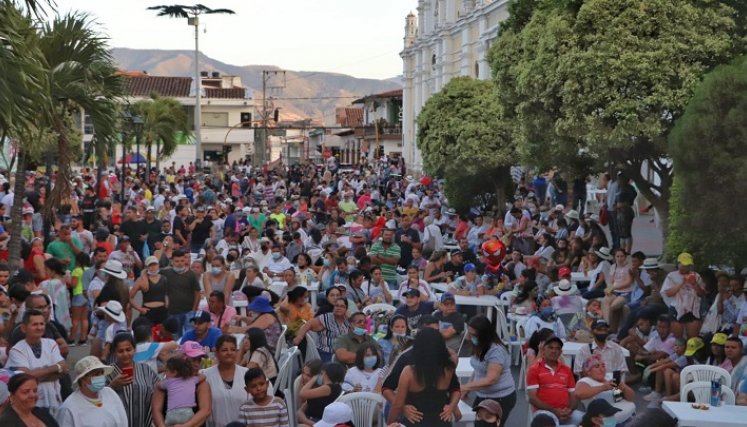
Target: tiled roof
(165, 86)
(349, 117)
(390, 94)
(232, 93)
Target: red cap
(564, 272)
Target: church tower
(411, 29)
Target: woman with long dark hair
(255, 353)
(397, 338)
(430, 385)
(491, 362)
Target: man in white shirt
(611, 352)
(41, 358)
(277, 263)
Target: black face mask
(601, 337)
(264, 248)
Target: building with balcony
(226, 104)
(381, 132)
(447, 38)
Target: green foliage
(462, 135)
(607, 79)
(709, 149)
(164, 119)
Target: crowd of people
(185, 290)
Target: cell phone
(617, 377)
(128, 371)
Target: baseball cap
(469, 267)
(600, 323)
(491, 406)
(719, 338)
(599, 407)
(151, 260)
(554, 338)
(685, 259)
(193, 349)
(334, 414)
(693, 345)
(447, 297)
(564, 272)
(411, 292)
(201, 316)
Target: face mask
(180, 270)
(398, 335)
(264, 248)
(276, 255)
(609, 422)
(97, 383)
(152, 273)
(359, 331)
(216, 270)
(370, 361)
(319, 380)
(601, 337)
(326, 262)
(474, 340)
(592, 315)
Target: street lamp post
(137, 126)
(192, 13)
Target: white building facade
(448, 38)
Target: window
(215, 119)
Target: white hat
(335, 413)
(114, 310)
(151, 260)
(604, 253)
(572, 214)
(650, 264)
(88, 364)
(560, 208)
(410, 178)
(114, 268)
(565, 287)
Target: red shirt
(553, 387)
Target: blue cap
(469, 267)
(447, 297)
(260, 304)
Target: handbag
(603, 215)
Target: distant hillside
(299, 84)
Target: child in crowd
(180, 384)
(149, 352)
(262, 409)
(664, 369)
(117, 322)
(320, 392)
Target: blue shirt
(209, 341)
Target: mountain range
(321, 92)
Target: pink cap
(193, 349)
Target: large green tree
(709, 150)
(463, 137)
(164, 119)
(608, 79)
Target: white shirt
(21, 356)
(535, 323)
(612, 354)
(226, 402)
(278, 266)
(78, 411)
(367, 380)
(7, 201)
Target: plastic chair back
(367, 408)
(709, 373)
(701, 390)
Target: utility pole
(272, 80)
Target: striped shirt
(274, 414)
(389, 271)
(137, 395)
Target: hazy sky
(362, 38)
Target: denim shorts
(79, 300)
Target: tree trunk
(660, 202)
(149, 144)
(504, 177)
(16, 213)
(158, 156)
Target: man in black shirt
(456, 264)
(468, 256)
(152, 228)
(202, 230)
(183, 290)
(407, 238)
(135, 229)
(180, 229)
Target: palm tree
(81, 74)
(163, 120)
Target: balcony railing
(383, 131)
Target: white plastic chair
(523, 370)
(381, 307)
(702, 392)
(312, 351)
(290, 404)
(708, 373)
(367, 408)
(314, 254)
(282, 343)
(507, 298)
(278, 288)
(288, 369)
